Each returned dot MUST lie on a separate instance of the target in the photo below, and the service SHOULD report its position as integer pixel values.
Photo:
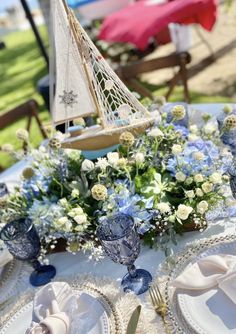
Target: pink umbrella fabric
(138, 22)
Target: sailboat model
(87, 86)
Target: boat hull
(104, 139)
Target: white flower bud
(87, 165)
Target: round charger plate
(22, 318)
(205, 312)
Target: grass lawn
(21, 66)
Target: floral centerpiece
(168, 179)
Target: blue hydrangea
(189, 165)
(123, 199)
(182, 130)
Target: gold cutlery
(133, 322)
(159, 305)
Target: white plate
(21, 320)
(209, 312)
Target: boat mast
(74, 28)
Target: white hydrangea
(183, 211)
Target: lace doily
(118, 305)
(13, 275)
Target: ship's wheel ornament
(68, 98)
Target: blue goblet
(232, 179)
(121, 243)
(3, 189)
(23, 243)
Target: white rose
(139, 158)
(190, 194)
(209, 129)
(176, 149)
(198, 155)
(207, 187)
(75, 193)
(155, 133)
(63, 202)
(87, 165)
(199, 192)
(113, 158)
(62, 220)
(189, 180)
(64, 224)
(76, 211)
(80, 219)
(202, 207)
(216, 178)
(183, 211)
(163, 207)
(180, 176)
(198, 178)
(193, 128)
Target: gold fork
(159, 305)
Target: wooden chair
(129, 73)
(28, 109)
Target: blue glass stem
(36, 264)
(132, 270)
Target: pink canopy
(138, 22)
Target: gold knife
(133, 321)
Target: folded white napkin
(5, 257)
(57, 310)
(210, 272)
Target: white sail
(73, 97)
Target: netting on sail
(72, 96)
(118, 106)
